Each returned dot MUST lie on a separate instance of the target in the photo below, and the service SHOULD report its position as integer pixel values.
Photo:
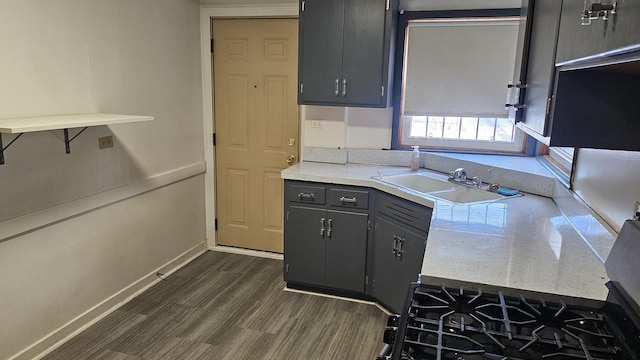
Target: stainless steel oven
(478, 322)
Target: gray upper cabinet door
(363, 56)
(320, 62)
(541, 66)
(620, 33)
(345, 51)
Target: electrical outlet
(105, 142)
(318, 124)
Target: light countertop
(524, 243)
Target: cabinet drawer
(348, 198)
(406, 212)
(303, 193)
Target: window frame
(403, 22)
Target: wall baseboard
(63, 334)
(256, 253)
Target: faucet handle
(476, 181)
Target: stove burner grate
(442, 323)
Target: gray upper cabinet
(345, 51)
(597, 75)
(575, 75)
(545, 21)
(620, 33)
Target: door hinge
(302, 4)
(215, 224)
(212, 46)
(388, 5)
(214, 139)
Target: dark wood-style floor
(227, 306)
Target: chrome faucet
(459, 174)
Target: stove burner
(443, 323)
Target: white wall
(340, 127)
(607, 180)
(81, 232)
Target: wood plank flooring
(228, 306)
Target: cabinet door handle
(337, 92)
(344, 87)
(329, 222)
(346, 200)
(306, 196)
(400, 250)
(395, 245)
(322, 227)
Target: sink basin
(419, 183)
(440, 189)
(467, 195)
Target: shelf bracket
(68, 141)
(3, 148)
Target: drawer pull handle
(321, 227)
(329, 228)
(306, 196)
(346, 200)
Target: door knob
(291, 159)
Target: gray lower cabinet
(329, 244)
(325, 242)
(399, 243)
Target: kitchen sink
(439, 189)
(419, 183)
(467, 195)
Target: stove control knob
(389, 336)
(393, 320)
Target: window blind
(459, 67)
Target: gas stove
(469, 323)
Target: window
(453, 85)
(560, 161)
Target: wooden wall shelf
(61, 122)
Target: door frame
(208, 13)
